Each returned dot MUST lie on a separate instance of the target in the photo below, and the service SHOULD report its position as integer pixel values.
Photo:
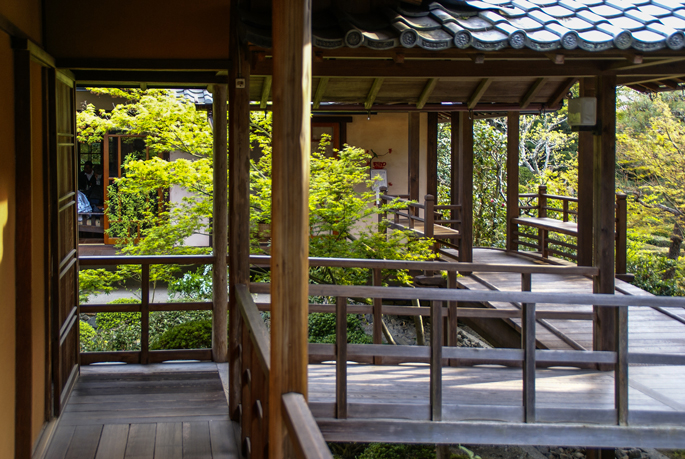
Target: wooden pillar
(239, 202)
(513, 137)
(585, 182)
(23, 444)
(220, 229)
(290, 211)
(432, 156)
(465, 159)
(454, 168)
(414, 146)
(604, 195)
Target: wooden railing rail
(307, 438)
(145, 307)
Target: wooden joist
(426, 92)
(373, 92)
(475, 97)
(266, 91)
(533, 91)
(320, 91)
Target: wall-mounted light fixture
(582, 113)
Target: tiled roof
(196, 96)
(489, 25)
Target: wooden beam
(454, 167)
(637, 64)
(426, 93)
(465, 153)
(238, 205)
(414, 148)
(149, 77)
(266, 91)
(585, 182)
(532, 92)
(320, 91)
(432, 156)
(373, 92)
(23, 370)
(290, 212)
(475, 97)
(561, 92)
(513, 139)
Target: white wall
(177, 193)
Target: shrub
(189, 335)
(322, 329)
(656, 273)
(87, 336)
(394, 451)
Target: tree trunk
(676, 242)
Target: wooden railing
(145, 355)
(560, 214)
(308, 442)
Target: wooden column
(239, 201)
(432, 156)
(454, 167)
(604, 195)
(23, 444)
(220, 229)
(290, 211)
(414, 147)
(465, 159)
(513, 136)
(585, 183)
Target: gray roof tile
(654, 10)
(605, 11)
(557, 11)
(576, 24)
(640, 16)
(626, 23)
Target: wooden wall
(159, 29)
(26, 15)
(7, 315)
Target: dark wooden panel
(196, 440)
(141, 441)
(84, 442)
(222, 438)
(113, 442)
(60, 442)
(169, 440)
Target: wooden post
(341, 358)
(414, 163)
(585, 183)
(542, 213)
(220, 227)
(604, 336)
(621, 233)
(377, 315)
(513, 136)
(239, 202)
(145, 314)
(465, 154)
(453, 328)
(436, 361)
(290, 211)
(528, 345)
(454, 168)
(432, 156)
(429, 224)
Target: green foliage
(96, 281)
(118, 331)
(87, 335)
(188, 335)
(193, 286)
(395, 451)
(322, 329)
(656, 273)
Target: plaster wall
(38, 309)
(130, 29)
(7, 254)
(26, 15)
(177, 193)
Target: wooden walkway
(650, 331)
(164, 411)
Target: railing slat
(436, 361)
(528, 344)
(304, 431)
(144, 314)
(341, 357)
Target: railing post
(564, 204)
(341, 358)
(542, 213)
(452, 333)
(145, 314)
(528, 344)
(428, 223)
(621, 371)
(377, 315)
(436, 361)
(621, 233)
(381, 202)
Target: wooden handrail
(303, 429)
(256, 327)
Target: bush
(322, 329)
(656, 273)
(87, 336)
(394, 451)
(190, 335)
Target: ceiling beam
(627, 81)
(561, 92)
(532, 92)
(642, 64)
(102, 77)
(426, 93)
(373, 92)
(266, 90)
(320, 91)
(475, 97)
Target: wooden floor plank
(169, 441)
(223, 441)
(60, 442)
(141, 441)
(196, 440)
(84, 442)
(113, 442)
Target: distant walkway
(650, 331)
(153, 411)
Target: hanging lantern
(582, 113)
